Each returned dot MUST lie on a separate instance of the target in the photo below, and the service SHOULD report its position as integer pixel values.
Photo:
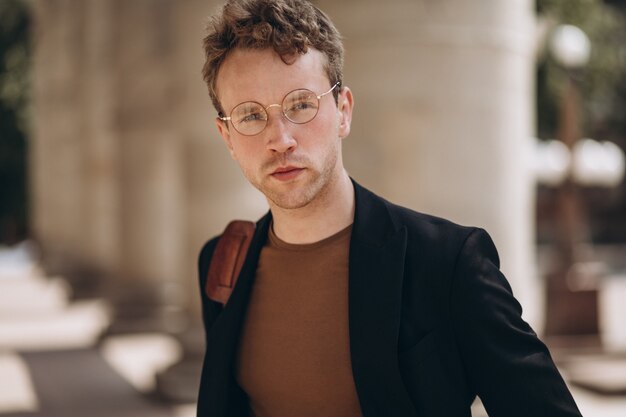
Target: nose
(278, 136)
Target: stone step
(31, 295)
(78, 325)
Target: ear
(222, 128)
(345, 106)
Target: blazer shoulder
(427, 228)
(376, 219)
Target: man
(346, 305)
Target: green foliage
(15, 51)
(15, 60)
(604, 105)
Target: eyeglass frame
(265, 108)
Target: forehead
(261, 75)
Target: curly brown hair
(289, 27)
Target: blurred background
(505, 115)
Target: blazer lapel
(376, 269)
(224, 334)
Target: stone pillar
(72, 152)
(443, 117)
(151, 189)
(56, 147)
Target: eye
(248, 112)
(300, 100)
(252, 117)
(302, 105)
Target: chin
(291, 200)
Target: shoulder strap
(228, 259)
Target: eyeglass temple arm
(331, 89)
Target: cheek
(325, 127)
(245, 148)
(328, 116)
(240, 153)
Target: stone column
(443, 117)
(58, 185)
(151, 190)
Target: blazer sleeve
(210, 309)
(509, 368)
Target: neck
(331, 212)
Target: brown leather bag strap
(228, 259)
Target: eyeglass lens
(299, 106)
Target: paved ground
(114, 379)
(82, 381)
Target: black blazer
(432, 321)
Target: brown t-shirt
(294, 352)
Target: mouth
(286, 173)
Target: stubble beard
(298, 195)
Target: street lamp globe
(570, 46)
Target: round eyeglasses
(299, 106)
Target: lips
(284, 169)
(286, 173)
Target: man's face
(292, 164)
